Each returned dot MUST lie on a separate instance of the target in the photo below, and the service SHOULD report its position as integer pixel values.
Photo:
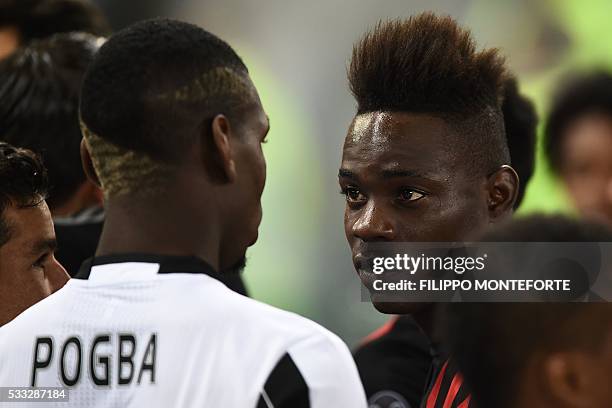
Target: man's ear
(566, 376)
(502, 192)
(87, 164)
(219, 159)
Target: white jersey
(146, 331)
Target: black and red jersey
(401, 368)
(446, 388)
(393, 363)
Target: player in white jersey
(172, 130)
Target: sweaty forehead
(421, 142)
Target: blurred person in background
(536, 354)
(22, 21)
(425, 159)
(579, 143)
(395, 359)
(29, 271)
(39, 102)
(174, 139)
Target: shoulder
(316, 367)
(17, 338)
(209, 305)
(400, 336)
(275, 321)
(31, 318)
(393, 363)
(310, 362)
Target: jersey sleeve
(317, 372)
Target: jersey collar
(167, 264)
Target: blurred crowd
(52, 213)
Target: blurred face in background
(586, 165)
(29, 271)
(9, 41)
(573, 368)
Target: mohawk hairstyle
(429, 64)
(425, 64)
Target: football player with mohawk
(425, 159)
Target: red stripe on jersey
(453, 390)
(466, 402)
(433, 395)
(381, 331)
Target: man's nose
(57, 276)
(608, 191)
(373, 224)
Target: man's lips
(359, 261)
(362, 263)
(363, 268)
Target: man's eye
(40, 262)
(353, 195)
(407, 194)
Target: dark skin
(405, 180)
(210, 209)
(575, 374)
(586, 165)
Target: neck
(163, 225)
(425, 319)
